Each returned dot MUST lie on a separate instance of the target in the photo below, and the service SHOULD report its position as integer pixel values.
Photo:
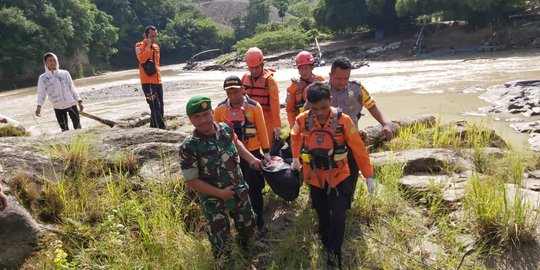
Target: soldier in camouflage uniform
(210, 162)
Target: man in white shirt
(57, 84)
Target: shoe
(261, 231)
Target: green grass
(107, 217)
(11, 131)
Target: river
(448, 88)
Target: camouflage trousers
(217, 212)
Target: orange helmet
(254, 57)
(304, 58)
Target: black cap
(232, 82)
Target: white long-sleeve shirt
(59, 87)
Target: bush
(273, 41)
(11, 131)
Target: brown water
(448, 88)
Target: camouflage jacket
(213, 159)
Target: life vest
(243, 128)
(258, 89)
(300, 93)
(321, 150)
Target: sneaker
(261, 231)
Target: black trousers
(256, 183)
(62, 117)
(331, 209)
(154, 98)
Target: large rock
(22, 154)
(425, 160)
(534, 142)
(517, 97)
(19, 235)
(451, 187)
(374, 137)
(526, 127)
(514, 97)
(530, 197)
(158, 148)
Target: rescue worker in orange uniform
(259, 85)
(296, 94)
(322, 136)
(248, 121)
(148, 55)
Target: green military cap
(198, 104)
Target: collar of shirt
(327, 122)
(52, 72)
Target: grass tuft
(11, 131)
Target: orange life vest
(258, 89)
(243, 128)
(300, 93)
(321, 150)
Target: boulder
(531, 184)
(452, 187)
(159, 148)
(425, 160)
(530, 197)
(514, 97)
(19, 235)
(526, 127)
(374, 137)
(19, 154)
(534, 142)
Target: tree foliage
(76, 30)
(191, 31)
(347, 15)
(88, 35)
(257, 12)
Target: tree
(189, 32)
(257, 12)
(70, 28)
(282, 6)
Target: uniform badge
(351, 94)
(353, 130)
(204, 105)
(138, 49)
(320, 140)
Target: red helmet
(304, 58)
(254, 57)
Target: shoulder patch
(138, 49)
(364, 89)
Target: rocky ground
(423, 168)
(521, 97)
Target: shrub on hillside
(274, 41)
